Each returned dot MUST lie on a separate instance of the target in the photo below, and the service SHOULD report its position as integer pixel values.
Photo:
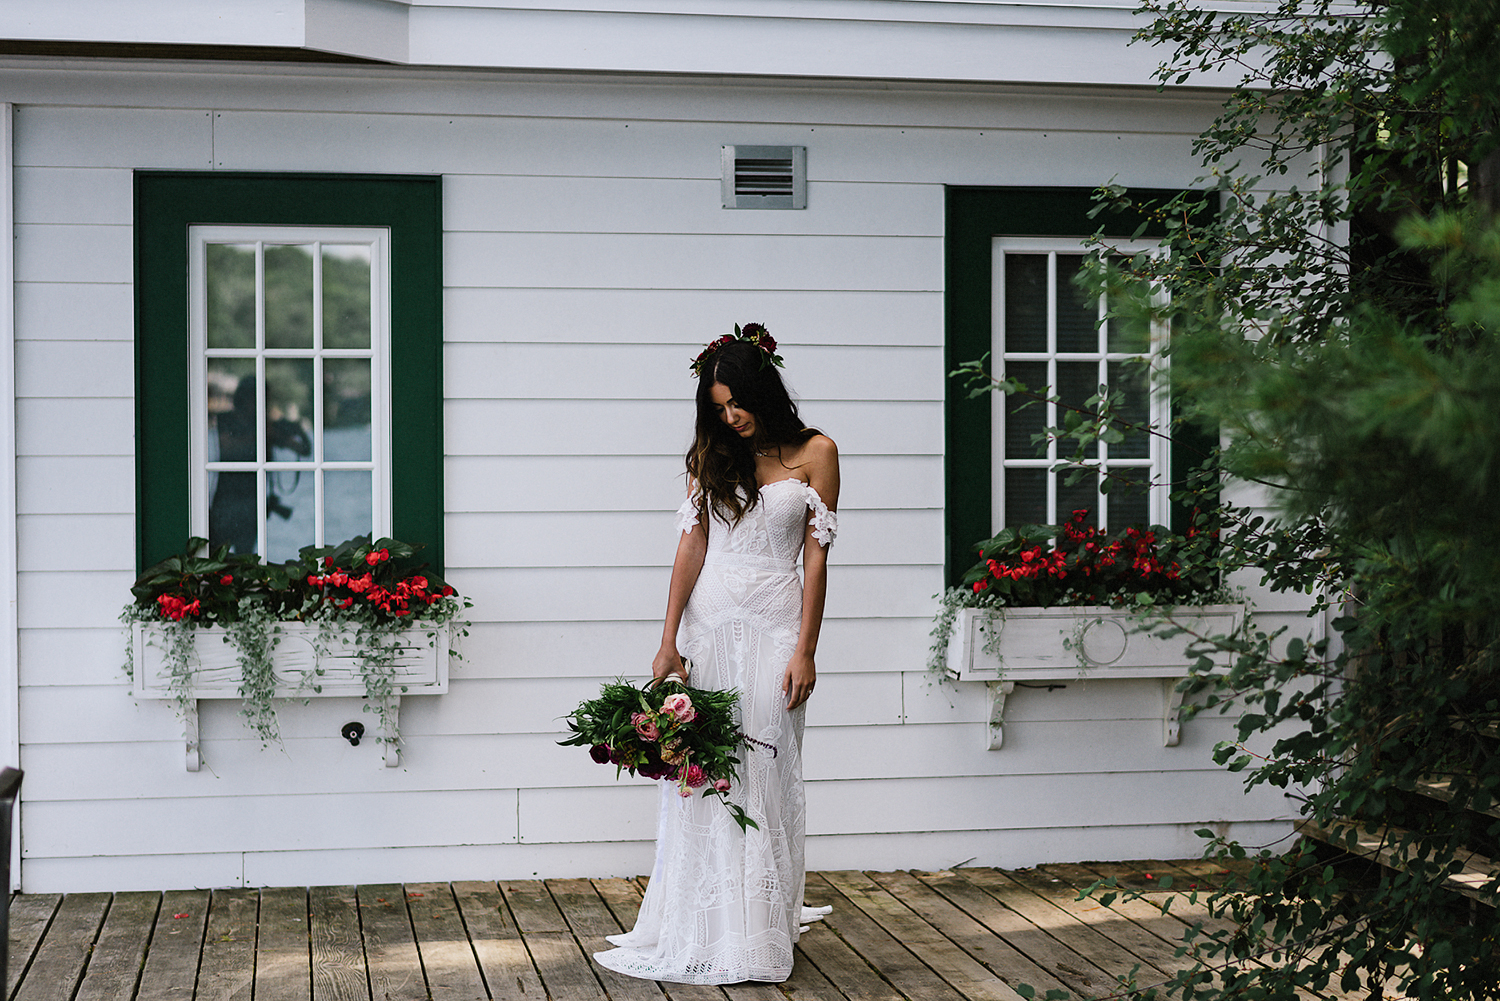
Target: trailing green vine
(373, 597)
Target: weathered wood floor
(965, 935)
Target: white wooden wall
(587, 259)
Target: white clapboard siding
(76, 542)
(74, 311)
(67, 368)
(691, 316)
(744, 102)
(99, 427)
(75, 484)
(635, 538)
(314, 763)
(94, 714)
(530, 204)
(657, 427)
(644, 148)
(100, 196)
(586, 260)
(652, 371)
(259, 823)
(972, 803)
(50, 253)
(543, 595)
(60, 599)
(634, 260)
(138, 138)
(656, 484)
(73, 655)
(605, 650)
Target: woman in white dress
(725, 905)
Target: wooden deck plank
(752, 991)
(64, 951)
(171, 970)
(834, 958)
(390, 946)
(996, 954)
(115, 966)
(227, 970)
(623, 897)
(30, 914)
(567, 974)
(590, 919)
(1072, 929)
(339, 972)
(503, 959)
(283, 951)
(533, 907)
(957, 968)
(443, 943)
(807, 982)
(1149, 947)
(1076, 973)
(1168, 914)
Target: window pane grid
(1073, 374)
(306, 440)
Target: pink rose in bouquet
(680, 707)
(645, 725)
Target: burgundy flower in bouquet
(667, 731)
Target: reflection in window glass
(289, 297)
(347, 496)
(230, 295)
(232, 514)
(1026, 302)
(291, 385)
(346, 409)
(1077, 315)
(346, 296)
(1026, 497)
(291, 513)
(1050, 336)
(289, 409)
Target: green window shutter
(166, 204)
(973, 217)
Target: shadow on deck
(964, 935)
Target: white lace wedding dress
(724, 906)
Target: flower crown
(751, 333)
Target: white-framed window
(289, 395)
(1046, 333)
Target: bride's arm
(801, 671)
(691, 548)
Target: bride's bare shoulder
(816, 451)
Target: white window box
(1069, 643)
(422, 669)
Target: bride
(725, 906)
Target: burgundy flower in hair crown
(751, 333)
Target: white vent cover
(764, 177)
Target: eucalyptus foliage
(1332, 288)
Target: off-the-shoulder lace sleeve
(687, 515)
(825, 523)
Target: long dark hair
(723, 463)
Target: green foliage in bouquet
(667, 731)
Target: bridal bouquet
(667, 731)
